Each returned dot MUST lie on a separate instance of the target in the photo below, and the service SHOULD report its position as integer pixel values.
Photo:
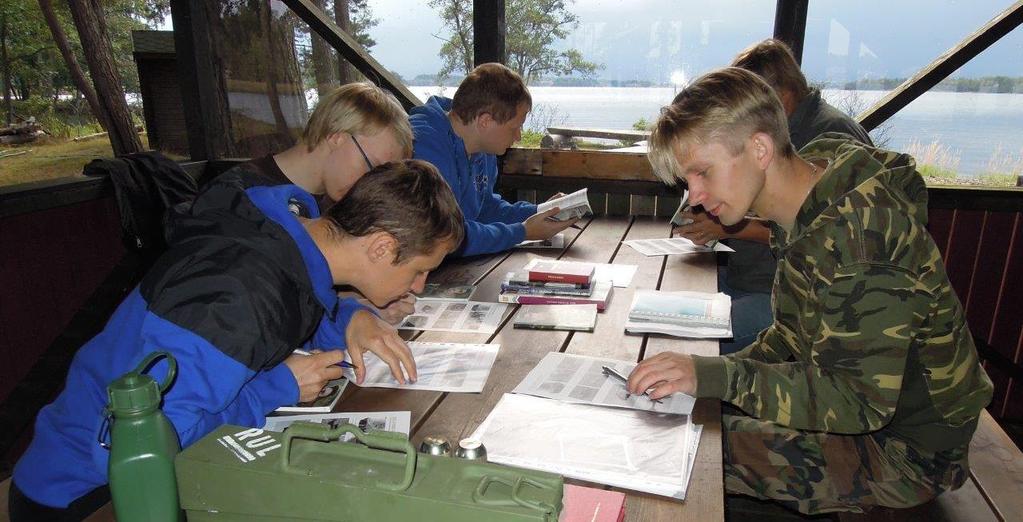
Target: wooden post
(790, 24)
(488, 29)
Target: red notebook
(584, 504)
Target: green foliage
(641, 125)
(998, 179)
(530, 139)
(938, 174)
(533, 27)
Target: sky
(673, 41)
(655, 39)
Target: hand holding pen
(611, 373)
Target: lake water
(970, 133)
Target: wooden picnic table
(456, 415)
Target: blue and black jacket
(240, 288)
(491, 223)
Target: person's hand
(540, 226)
(703, 229)
(396, 310)
(368, 333)
(312, 372)
(664, 374)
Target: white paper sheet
(619, 275)
(399, 421)
(630, 449)
(448, 316)
(673, 246)
(557, 241)
(448, 367)
(579, 379)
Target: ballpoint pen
(343, 364)
(612, 373)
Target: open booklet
(637, 450)
(683, 314)
(581, 379)
(573, 206)
(399, 421)
(454, 316)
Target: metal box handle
(516, 499)
(377, 439)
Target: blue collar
(273, 202)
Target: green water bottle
(143, 445)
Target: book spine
(544, 299)
(554, 277)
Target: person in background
(749, 273)
(866, 388)
(352, 129)
(244, 283)
(462, 137)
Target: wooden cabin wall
(51, 261)
(983, 254)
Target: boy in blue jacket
(244, 283)
(462, 137)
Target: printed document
(580, 379)
(399, 421)
(631, 449)
(448, 316)
(447, 367)
(573, 206)
(673, 246)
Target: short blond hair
(358, 108)
(725, 106)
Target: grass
(52, 158)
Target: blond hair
(725, 106)
(358, 108)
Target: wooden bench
(993, 492)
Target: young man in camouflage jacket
(866, 388)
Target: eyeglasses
(363, 152)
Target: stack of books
(550, 282)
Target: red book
(592, 505)
(553, 271)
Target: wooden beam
(352, 51)
(790, 24)
(488, 29)
(943, 66)
(203, 99)
(611, 134)
(589, 164)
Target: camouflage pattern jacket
(868, 333)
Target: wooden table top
(456, 415)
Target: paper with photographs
(673, 246)
(580, 379)
(619, 275)
(573, 206)
(464, 316)
(446, 292)
(631, 449)
(399, 421)
(447, 367)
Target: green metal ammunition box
(306, 473)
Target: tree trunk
(92, 32)
(77, 76)
(323, 68)
(273, 64)
(343, 18)
(8, 107)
